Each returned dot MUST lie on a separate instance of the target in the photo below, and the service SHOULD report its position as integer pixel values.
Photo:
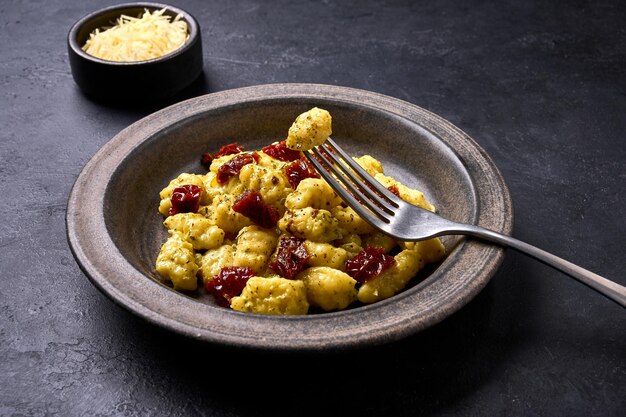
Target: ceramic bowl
(141, 81)
(115, 230)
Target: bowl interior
(108, 17)
(408, 151)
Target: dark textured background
(540, 85)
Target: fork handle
(604, 286)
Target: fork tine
(366, 177)
(369, 213)
(355, 184)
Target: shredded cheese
(138, 38)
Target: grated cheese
(138, 38)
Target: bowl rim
(386, 321)
(192, 27)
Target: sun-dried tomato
(368, 264)
(394, 190)
(299, 170)
(206, 160)
(281, 152)
(233, 166)
(229, 283)
(229, 149)
(250, 203)
(185, 199)
(291, 257)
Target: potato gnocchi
(265, 234)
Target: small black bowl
(140, 81)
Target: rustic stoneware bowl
(140, 81)
(115, 230)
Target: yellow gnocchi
(328, 288)
(212, 261)
(313, 224)
(264, 234)
(325, 254)
(409, 195)
(221, 214)
(310, 129)
(177, 263)
(391, 281)
(370, 164)
(314, 193)
(254, 247)
(195, 229)
(270, 182)
(273, 295)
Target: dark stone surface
(540, 85)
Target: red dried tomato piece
(230, 149)
(368, 264)
(394, 190)
(229, 283)
(299, 170)
(185, 199)
(281, 152)
(250, 203)
(206, 160)
(232, 167)
(291, 257)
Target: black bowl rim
(192, 24)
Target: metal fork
(403, 221)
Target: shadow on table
(198, 87)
